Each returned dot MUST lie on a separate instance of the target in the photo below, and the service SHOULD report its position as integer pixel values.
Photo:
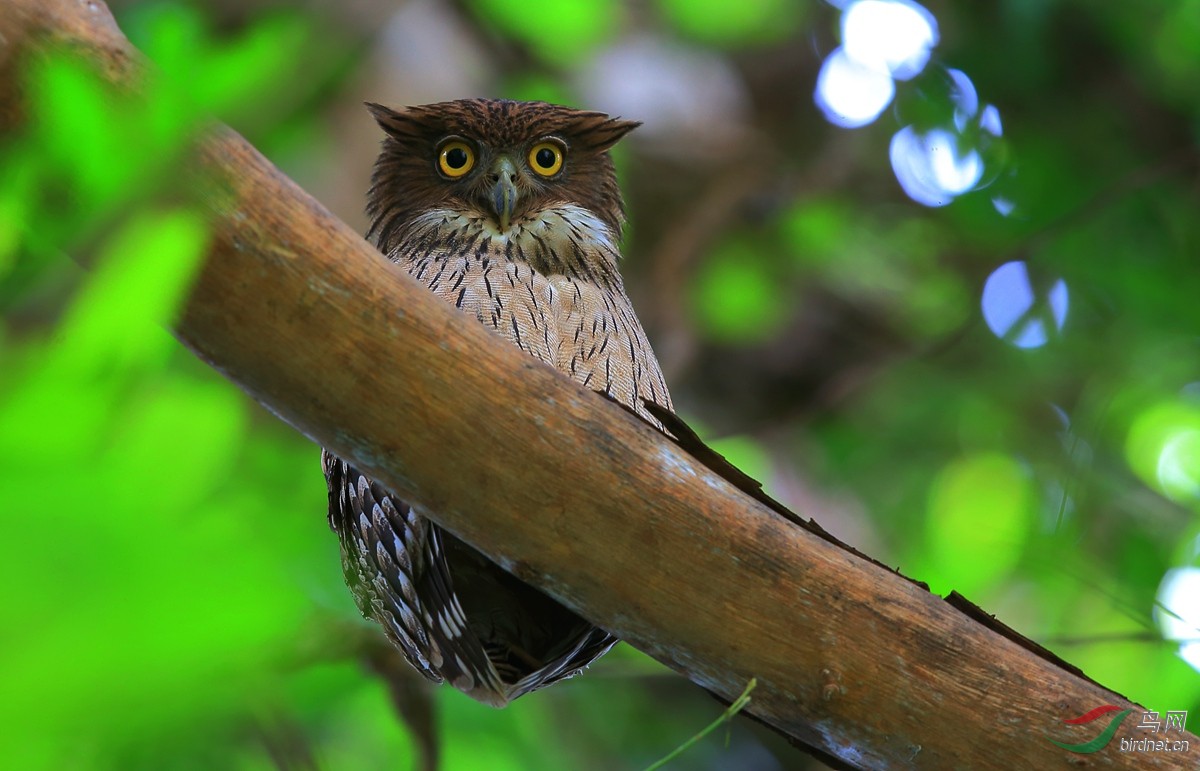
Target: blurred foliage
(734, 25)
(557, 30)
(172, 594)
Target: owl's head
(501, 165)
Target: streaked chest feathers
(550, 286)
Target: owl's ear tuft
(394, 123)
(600, 132)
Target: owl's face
(500, 169)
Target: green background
(171, 594)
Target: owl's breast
(586, 330)
(508, 297)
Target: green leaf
(734, 297)
(80, 131)
(536, 88)
(113, 331)
(743, 23)
(17, 190)
(747, 454)
(980, 516)
(118, 320)
(1163, 448)
(246, 72)
(559, 31)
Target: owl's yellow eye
(546, 158)
(456, 159)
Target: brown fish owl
(511, 212)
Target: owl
(510, 211)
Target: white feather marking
(449, 628)
(456, 609)
(553, 224)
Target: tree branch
(576, 496)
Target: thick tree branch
(576, 496)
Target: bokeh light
(980, 514)
(1179, 465)
(1018, 312)
(893, 36)
(931, 167)
(1004, 206)
(939, 161)
(850, 93)
(1163, 448)
(963, 97)
(989, 120)
(1178, 611)
(882, 41)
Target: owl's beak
(503, 192)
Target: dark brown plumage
(510, 211)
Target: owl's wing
(397, 564)
(582, 650)
(394, 564)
